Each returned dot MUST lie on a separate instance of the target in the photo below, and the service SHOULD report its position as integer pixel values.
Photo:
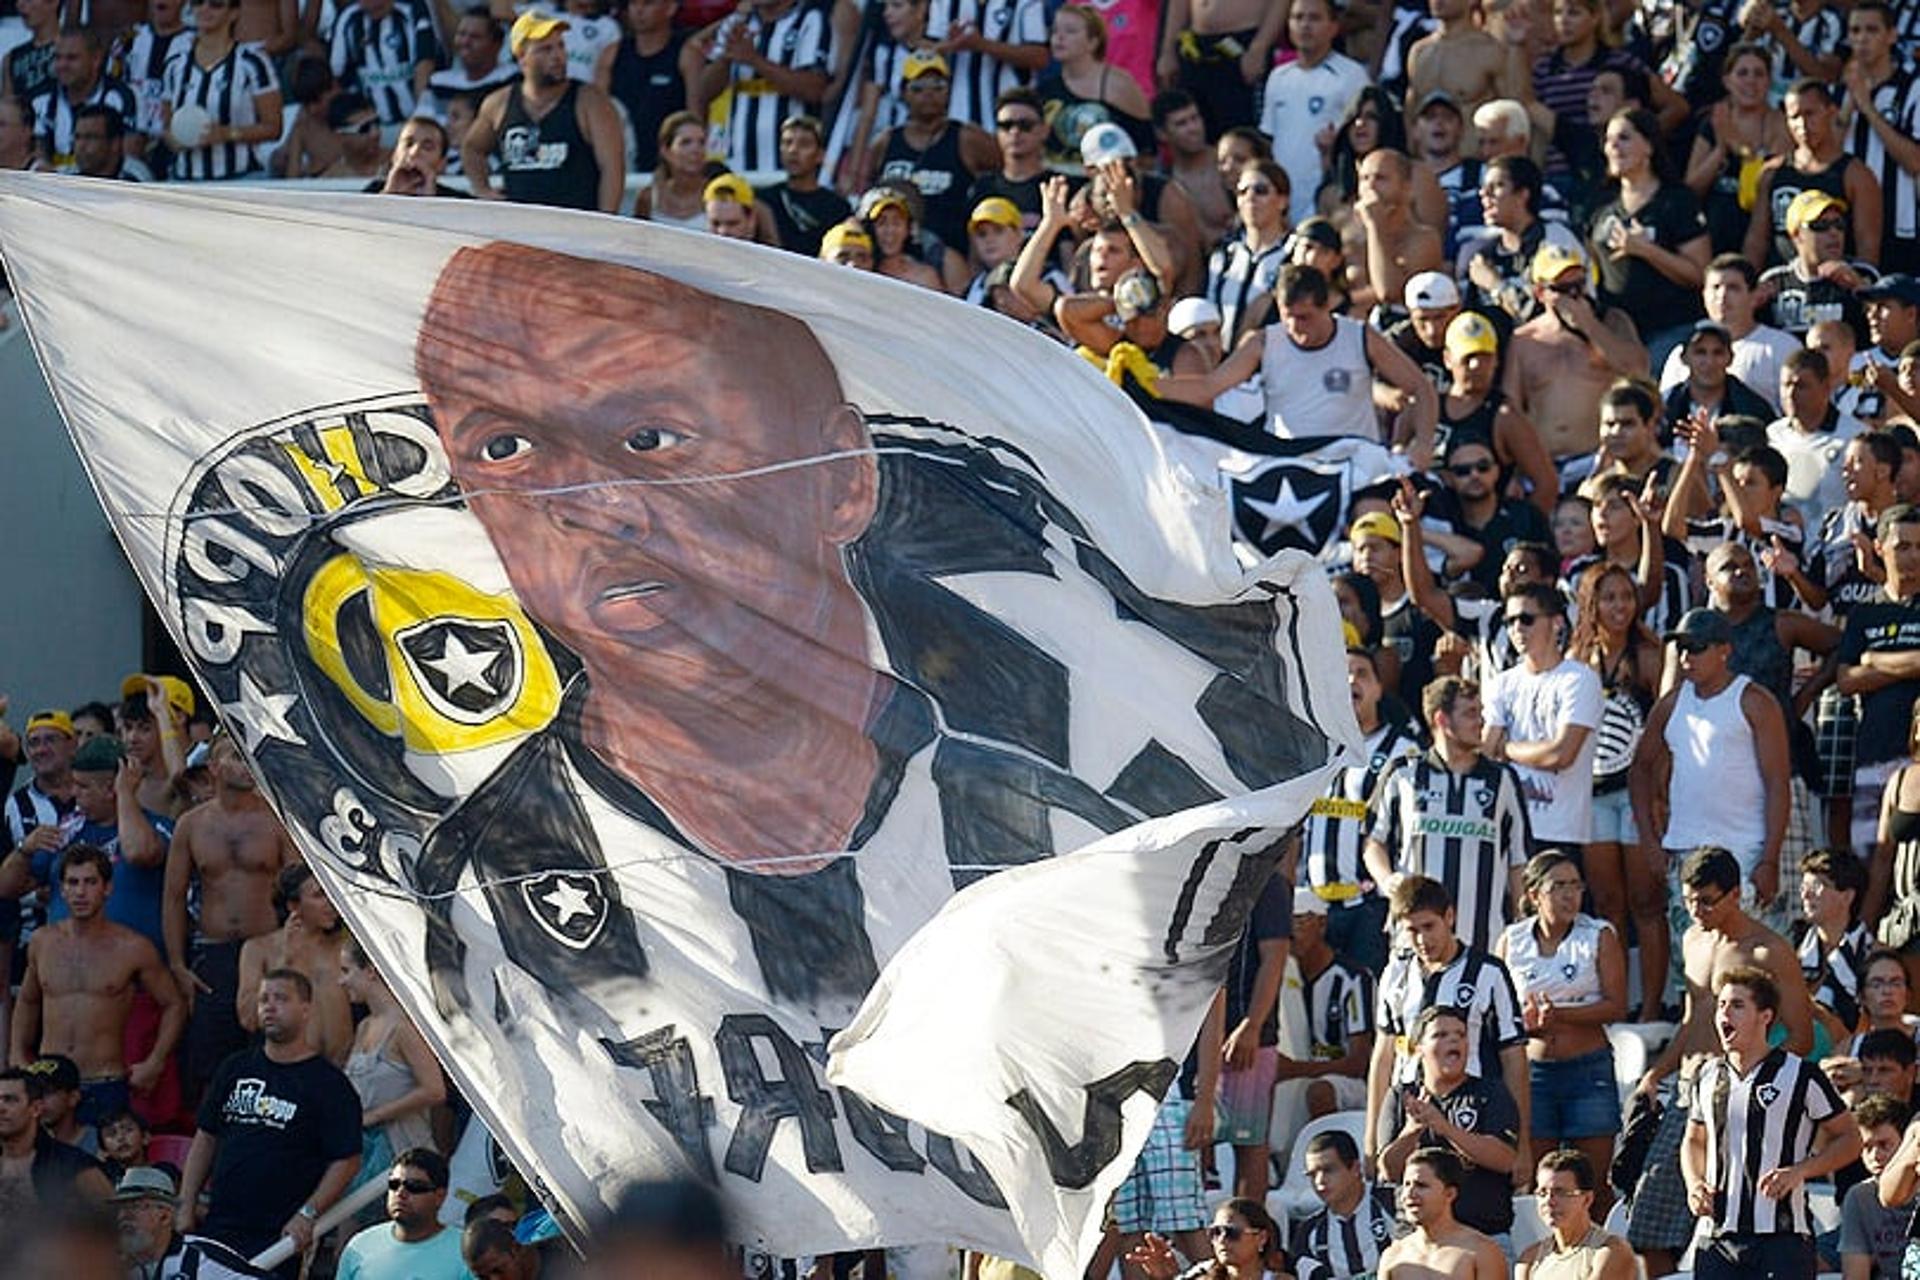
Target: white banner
(645, 635)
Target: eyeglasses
(1255, 189)
(1826, 224)
(1225, 1231)
(412, 1186)
(1563, 1193)
(1695, 902)
(1522, 619)
(1021, 124)
(1465, 469)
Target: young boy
(1873, 1236)
(1629, 535)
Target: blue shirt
(377, 1254)
(134, 900)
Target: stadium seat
(1635, 1045)
(1527, 1225)
(1294, 1197)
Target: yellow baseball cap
(922, 62)
(1551, 261)
(534, 24)
(842, 235)
(1809, 205)
(729, 186)
(1468, 333)
(179, 692)
(997, 210)
(1375, 524)
(51, 720)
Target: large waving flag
(674, 654)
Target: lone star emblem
(1288, 505)
(571, 908)
(470, 669)
(1767, 1093)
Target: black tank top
(1789, 182)
(651, 90)
(1476, 425)
(548, 161)
(940, 176)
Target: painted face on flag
(647, 460)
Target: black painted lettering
(676, 1101)
(1074, 1165)
(765, 1103)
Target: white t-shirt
(1536, 707)
(1299, 103)
(1814, 482)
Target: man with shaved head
(749, 573)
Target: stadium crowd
(1603, 956)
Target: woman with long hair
(221, 98)
(1570, 971)
(1243, 270)
(1733, 144)
(1609, 637)
(1650, 241)
(674, 198)
(890, 217)
(1246, 1244)
(390, 1066)
(1083, 89)
(1585, 43)
(1374, 122)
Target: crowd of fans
(1633, 289)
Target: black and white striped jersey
(977, 78)
(226, 91)
(1237, 276)
(1336, 829)
(1339, 1002)
(1329, 1246)
(1482, 622)
(377, 56)
(1834, 973)
(1466, 830)
(798, 39)
(27, 808)
(1765, 1119)
(1897, 99)
(53, 117)
(1676, 587)
(1474, 981)
(140, 61)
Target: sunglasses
(1225, 1231)
(1826, 224)
(1465, 469)
(412, 1186)
(1692, 646)
(1521, 619)
(1255, 189)
(363, 128)
(1023, 124)
(1568, 289)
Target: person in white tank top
(1726, 741)
(1318, 370)
(1571, 972)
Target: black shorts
(1733, 1256)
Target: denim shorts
(1613, 819)
(1575, 1097)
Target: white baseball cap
(1104, 142)
(1189, 314)
(1431, 291)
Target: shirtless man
(1562, 360)
(1195, 169)
(31, 1162)
(274, 23)
(1398, 245)
(1438, 1248)
(1463, 61)
(310, 941)
(152, 717)
(234, 846)
(1219, 51)
(79, 989)
(1723, 937)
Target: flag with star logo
(754, 745)
(1285, 494)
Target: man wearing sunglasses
(1474, 508)
(411, 1244)
(1818, 281)
(1541, 713)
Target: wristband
(308, 1212)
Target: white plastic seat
(1527, 1224)
(1294, 1196)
